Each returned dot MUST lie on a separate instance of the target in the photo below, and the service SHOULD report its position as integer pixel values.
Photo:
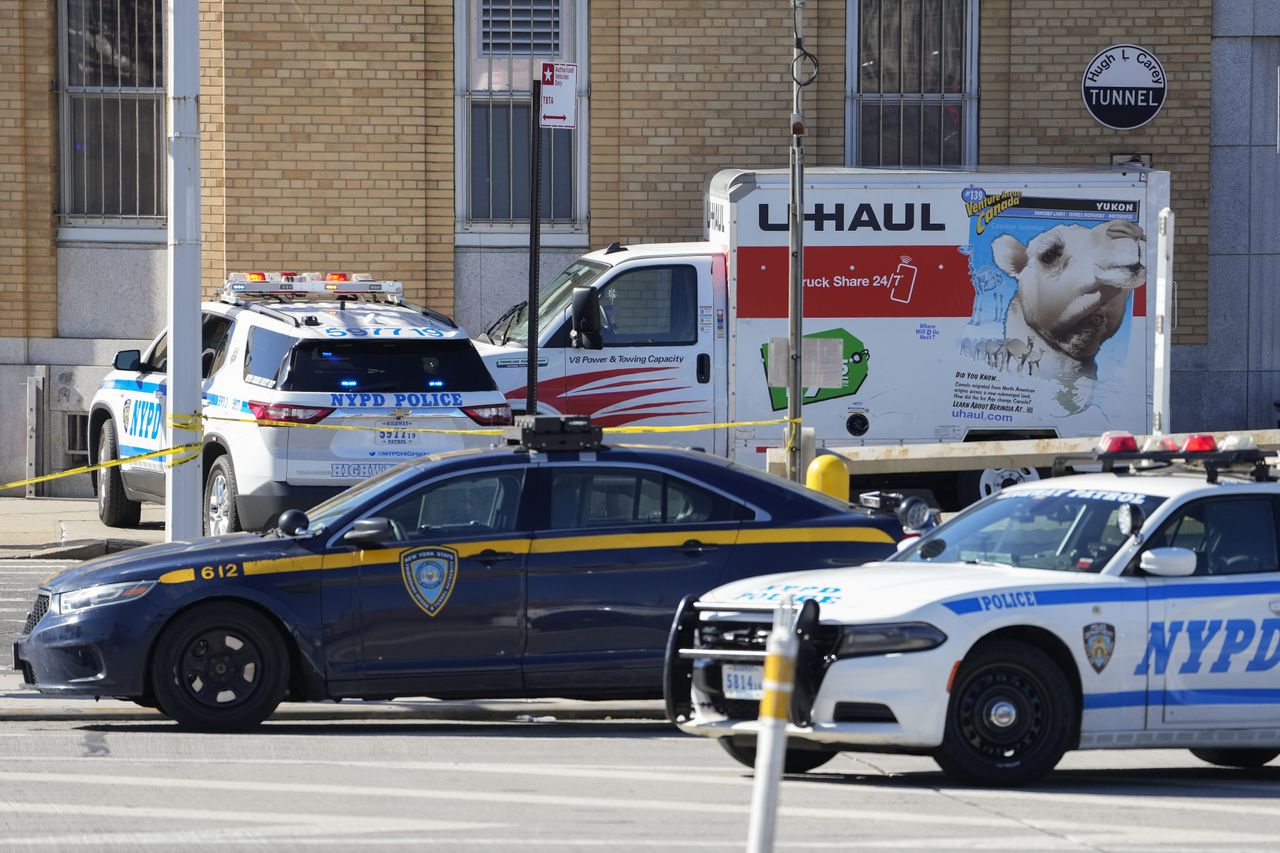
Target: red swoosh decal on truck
(564, 394)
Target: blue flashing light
(435, 383)
(348, 383)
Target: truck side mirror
(127, 359)
(586, 318)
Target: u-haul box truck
(963, 306)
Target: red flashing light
(289, 413)
(499, 415)
(337, 276)
(1199, 443)
(1117, 442)
(257, 276)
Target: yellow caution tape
(112, 463)
(193, 423)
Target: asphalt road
(576, 786)
(18, 582)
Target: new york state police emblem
(1099, 643)
(429, 575)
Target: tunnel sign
(1124, 86)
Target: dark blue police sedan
(551, 567)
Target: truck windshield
(1069, 530)
(555, 300)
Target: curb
(331, 712)
(76, 549)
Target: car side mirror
(369, 531)
(128, 359)
(293, 522)
(1168, 562)
(585, 314)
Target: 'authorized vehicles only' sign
(1124, 86)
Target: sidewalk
(68, 528)
(19, 702)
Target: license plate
(742, 681)
(395, 435)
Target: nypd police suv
(312, 382)
(1122, 609)
(551, 567)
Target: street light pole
(795, 292)
(182, 55)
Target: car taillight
(289, 413)
(499, 415)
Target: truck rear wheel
(114, 507)
(973, 486)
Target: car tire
(220, 515)
(219, 667)
(114, 507)
(797, 761)
(1011, 716)
(1236, 757)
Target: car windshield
(556, 298)
(395, 365)
(342, 504)
(1068, 530)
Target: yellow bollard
(827, 474)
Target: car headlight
(96, 596)
(861, 640)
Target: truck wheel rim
(993, 480)
(218, 510)
(220, 668)
(1001, 713)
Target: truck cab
(629, 336)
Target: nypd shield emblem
(429, 576)
(1099, 643)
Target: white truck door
(658, 363)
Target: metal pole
(535, 223)
(771, 742)
(1164, 328)
(182, 55)
(795, 311)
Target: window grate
(112, 111)
(520, 27)
(78, 434)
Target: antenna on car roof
(615, 246)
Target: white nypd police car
(312, 382)
(1129, 608)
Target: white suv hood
(879, 591)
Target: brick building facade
(350, 135)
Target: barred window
(913, 88)
(111, 55)
(507, 40)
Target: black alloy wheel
(1011, 716)
(220, 667)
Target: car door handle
(704, 368)
(489, 556)
(693, 547)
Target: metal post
(795, 291)
(182, 86)
(1164, 328)
(535, 223)
(771, 742)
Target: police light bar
(307, 283)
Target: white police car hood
(880, 591)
